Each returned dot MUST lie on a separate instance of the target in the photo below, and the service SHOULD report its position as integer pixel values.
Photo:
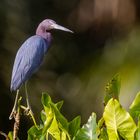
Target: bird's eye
(49, 28)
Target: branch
(17, 121)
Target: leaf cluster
(116, 123)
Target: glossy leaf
(48, 112)
(113, 89)
(54, 130)
(55, 124)
(63, 121)
(118, 121)
(135, 106)
(101, 123)
(74, 126)
(34, 133)
(59, 104)
(46, 99)
(88, 131)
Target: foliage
(113, 88)
(115, 124)
(118, 121)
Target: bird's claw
(27, 111)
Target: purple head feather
(46, 25)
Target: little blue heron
(30, 56)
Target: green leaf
(118, 121)
(48, 113)
(34, 133)
(101, 123)
(74, 125)
(102, 130)
(89, 130)
(137, 133)
(103, 134)
(54, 129)
(63, 121)
(135, 113)
(138, 128)
(113, 89)
(63, 136)
(46, 99)
(10, 136)
(42, 117)
(49, 118)
(135, 106)
(55, 124)
(52, 109)
(59, 105)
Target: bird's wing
(28, 60)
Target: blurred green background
(78, 66)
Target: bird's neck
(41, 31)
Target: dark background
(78, 66)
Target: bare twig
(16, 126)
(17, 121)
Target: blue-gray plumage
(30, 56)
(28, 60)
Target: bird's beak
(59, 27)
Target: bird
(30, 56)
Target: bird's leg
(14, 107)
(28, 109)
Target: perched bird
(30, 56)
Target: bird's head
(48, 25)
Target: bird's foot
(28, 111)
